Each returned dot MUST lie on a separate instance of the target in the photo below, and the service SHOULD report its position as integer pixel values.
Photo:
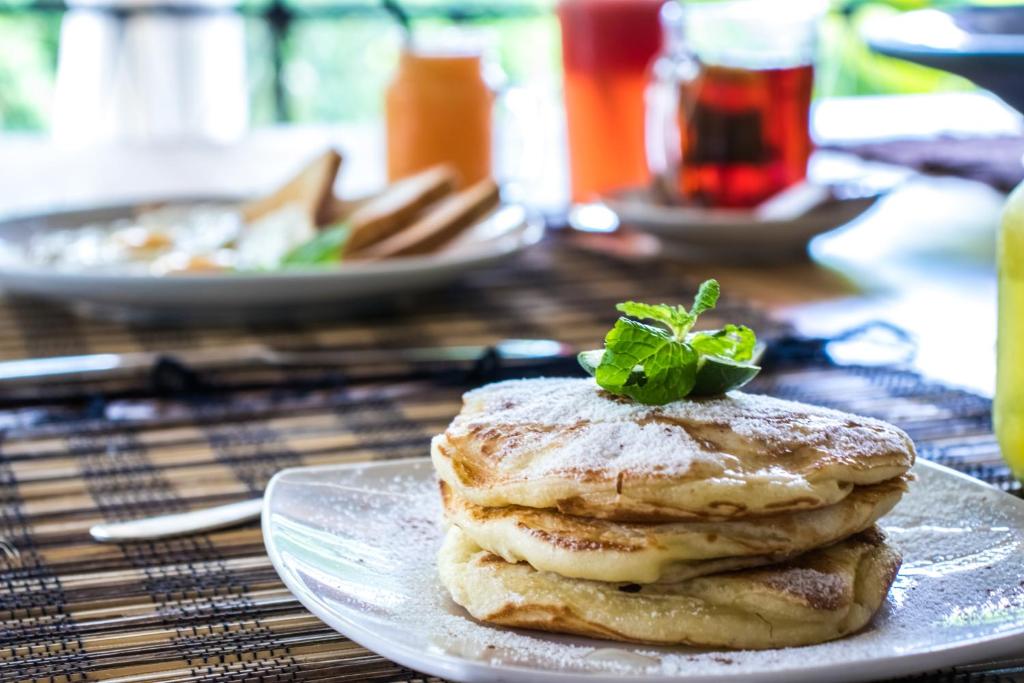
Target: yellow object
(1008, 411)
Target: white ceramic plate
(356, 545)
(733, 235)
(501, 235)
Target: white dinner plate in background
(230, 296)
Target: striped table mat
(210, 607)
(553, 291)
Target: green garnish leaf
(676, 319)
(663, 362)
(706, 298)
(667, 366)
(735, 342)
(671, 317)
(323, 249)
(589, 360)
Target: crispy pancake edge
(821, 596)
(603, 550)
(473, 451)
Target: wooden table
(75, 456)
(209, 608)
(928, 249)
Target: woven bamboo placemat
(209, 607)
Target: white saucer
(356, 545)
(734, 235)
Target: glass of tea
(728, 105)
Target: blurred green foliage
(28, 62)
(848, 67)
(335, 67)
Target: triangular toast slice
(439, 224)
(309, 190)
(395, 208)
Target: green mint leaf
(646, 363)
(657, 364)
(669, 316)
(670, 376)
(323, 249)
(717, 375)
(626, 346)
(590, 360)
(675, 318)
(706, 298)
(735, 342)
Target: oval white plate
(733, 235)
(356, 545)
(499, 236)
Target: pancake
(603, 550)
(820, 596)
(566, 444)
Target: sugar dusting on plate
(961, 580)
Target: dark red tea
(745, 133)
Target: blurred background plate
(733, 236)
(984, 44)
(261, 296)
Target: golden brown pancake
(604, 550)
(566, 444)
(820, 596)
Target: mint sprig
(735, 342)
(323, 249)
(677, 319)
(664, 361)
(668, 365)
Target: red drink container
(607, 46)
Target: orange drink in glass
(438, 110)
(607, 46)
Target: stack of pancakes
(736, 521)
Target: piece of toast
(309, 189)
(389, 212)
(336, 210)
(439, 224)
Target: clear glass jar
(728, 105)
(438, 109)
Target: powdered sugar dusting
(358, 547)
(646, 449)
(615, 434)
(564, 400)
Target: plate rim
(529, 230)
(882, 35)
(455, 666)
(724, 224)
